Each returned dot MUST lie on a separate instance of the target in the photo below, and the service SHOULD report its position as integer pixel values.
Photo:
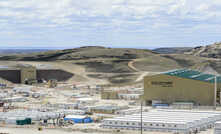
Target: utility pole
(215, 90)
(141, 118)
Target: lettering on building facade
(162, 83)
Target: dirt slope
(210, 51)
(116, 65)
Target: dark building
(21, 73)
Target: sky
(112, 23)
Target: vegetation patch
(97, 76)
(216, 65)
(181, 62)
(106, 66)
(122, 78)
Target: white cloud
(53, 10)
(110, 15)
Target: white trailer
(177, 121)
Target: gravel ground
(60, 131)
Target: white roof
(85, 99)
(172, 116)
(75, 116)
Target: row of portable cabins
(217, 128)
(165, 121)
(12, 117)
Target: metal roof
(170, 116)
(193, 74)
(106, 108)
(76, 116)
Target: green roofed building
(183, 85)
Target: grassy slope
(167, 62)
(209, 51)
(173, 50)
(112, 63)
(82, 53)
(98, 60)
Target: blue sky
(112, 23)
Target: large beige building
(181, 86)
(25, 73)
(28, 73)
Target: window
(157, 124)
(110, 122)
(127, 123)
(115, 122)
(151, 124)
(174, 125)
(163, 125)
(133, 123)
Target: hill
(82, 53)
(173, 50)
(209, 51)
(4, 51)
(114, 65)
(89, 63)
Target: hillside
(89, 63)
(4, 51)
(113, 65)
(173, 50)
(209, 51)
(81, 53)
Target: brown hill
(209, 51)
(117, 65)
(82, 53)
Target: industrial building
(217, 128)
(24, 73)
(13, 116)
(182, 85)
(109, 94)
(121, 94)
(105, 109)
(27, 73)
(175, 121)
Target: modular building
(217, 129)
(114, 95)
(175, 121)
(182, 85)
(105, 109)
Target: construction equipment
(52, 83)
(30, 81)
(40, 128)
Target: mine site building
(217, 128)
(183, 85)
(25, 74)
(28, 73)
